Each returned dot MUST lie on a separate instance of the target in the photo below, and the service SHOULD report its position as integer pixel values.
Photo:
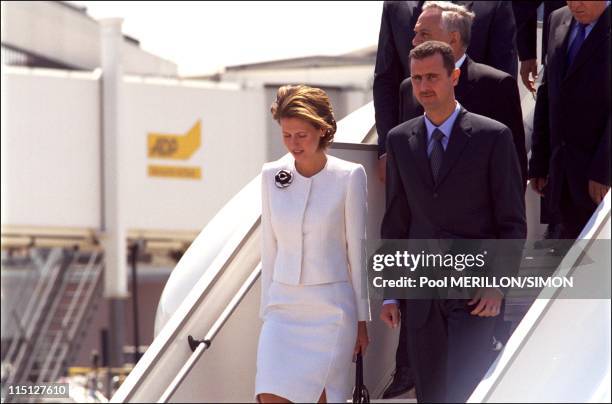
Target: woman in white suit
(314, 300)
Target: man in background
(526, 16)
(570, 153)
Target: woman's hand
(362, 339)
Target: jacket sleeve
(397, 218)
(599, 170)
(268, 245)
(502, 40)
(540, 137)
(525, 14)
(387, 80)
(507, 191)
(507, 194)
(513, 119)
(355, 218)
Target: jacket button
(435, 195)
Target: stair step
(42, 361)
(54, 330)
(53, 333)
(78, 277)
(71, 295)
(45, 348)
(41, 357)
(37, 372)
(59, 322)
(40, 351)
(84, 258)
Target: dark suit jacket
(493, 43)
(479, 194)
(571, 138)
(526, 16)
(485, 91)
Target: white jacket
(314, 230)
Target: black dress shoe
(402, 382)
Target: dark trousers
(573, 216)
(546, 216)
(402, 359)
(451, 352)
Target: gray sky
(202, 37)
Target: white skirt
(307, 341)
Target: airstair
(65, 296)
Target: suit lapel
(460, 137)
(591, 44)
(418, 147)
(561, 37)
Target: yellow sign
(175, 172)
(172, 146)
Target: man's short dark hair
(430, 48)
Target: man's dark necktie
(576, 44)
(437, 153)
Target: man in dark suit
(570, 153)
(494, 35)
(482, 90)
(526, 16)
(440, 166)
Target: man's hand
(382, 169)
(597, 191)
(529, 66)
(538, 184)
(390, 315)
(489, 302)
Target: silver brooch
(283, 179)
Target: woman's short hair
(308, 103)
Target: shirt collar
(447, 126)
(459, 62)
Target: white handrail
(180, 377)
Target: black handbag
(360, 392)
